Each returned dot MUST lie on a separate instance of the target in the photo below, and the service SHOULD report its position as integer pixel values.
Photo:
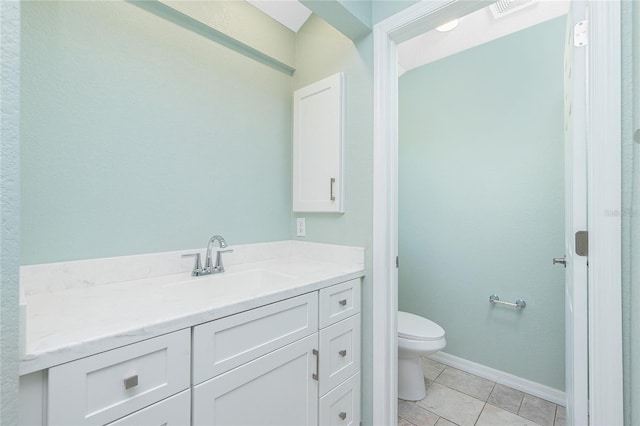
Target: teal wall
(322, 51)
(139, 136)
(481, 200)
(9, 209)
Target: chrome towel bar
(495, 300)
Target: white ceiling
(290, 13)
(473, 30)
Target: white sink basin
(252, 277)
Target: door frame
(604, 202)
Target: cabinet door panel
(339, 352)
(276, 389)
(318, 146)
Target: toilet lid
(415, 327)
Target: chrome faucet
(218, 267)
(209, 266)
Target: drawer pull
(314, 376)
(343, 302)
(343, 353)
(342, 415)
(131, 382)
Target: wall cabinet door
(276, 389)
(318, 146)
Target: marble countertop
(68, 324)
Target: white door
(576, 314)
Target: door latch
(560, 260)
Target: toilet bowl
(417, 337)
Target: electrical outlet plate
(301, 227)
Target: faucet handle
(219, 267)
(197, 266)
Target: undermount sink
(253, 277)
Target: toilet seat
(415, 327)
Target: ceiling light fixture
(448, 26)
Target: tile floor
(455, 397)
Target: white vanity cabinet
(293, 362)
(270, 365)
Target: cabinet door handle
(342, 415)
(343, 353)
(331, 182)
(343, 302)
(314, 376)
(131, 382)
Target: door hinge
(581, 33)
(397, 262)
(582, 243)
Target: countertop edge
(34, 362)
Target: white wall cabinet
(292, 362)
(318, 134)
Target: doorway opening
(602, 129)
(481, 208)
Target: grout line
(520, 406)
(490, 393)
(463, 392)
(439, 374)
(480, 414)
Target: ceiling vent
(503, 8)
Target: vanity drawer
(107, 386)
(341, 406)
(221, 345)
(339, 352)
(173, 411)
(339, 302)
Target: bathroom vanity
(274, 340)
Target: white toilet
(417, 336)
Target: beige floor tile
(431, 368)
(474, 386)
(506, 398)
(415, 414)
(494, 416)
(538, 410)
(561, 416)
(452, 405)
(403, 422)
(444, 422)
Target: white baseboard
(536, 389)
